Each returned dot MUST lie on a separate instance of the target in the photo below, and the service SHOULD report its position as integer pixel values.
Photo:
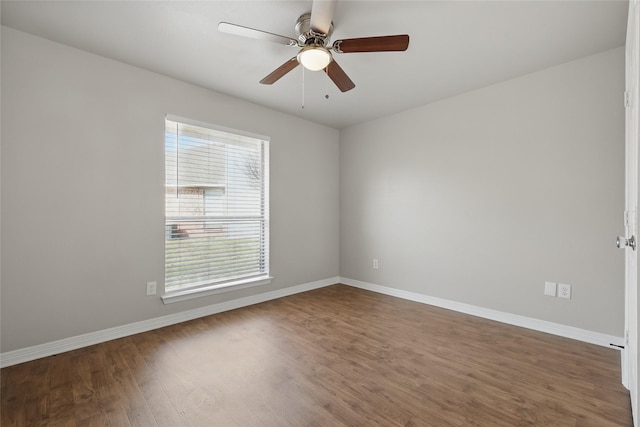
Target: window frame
(223, 285)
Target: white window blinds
(216, 206)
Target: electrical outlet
(550, 289)
(564, 290)
(375, 263)
(151, 288)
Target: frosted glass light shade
(314, 58)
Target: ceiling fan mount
(314, 30)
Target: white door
(630, 352)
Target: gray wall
(478, 199)
(83, 190)
(482, 197)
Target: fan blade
(372, 44)
(322, 15)
(339, 77)
(239, 30)
(280, 71)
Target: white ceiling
(455, 46)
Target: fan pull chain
(326, 82)
(302, 88)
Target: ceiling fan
(314, 30)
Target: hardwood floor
(330, 357)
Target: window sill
(212, 290)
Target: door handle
(623, 242)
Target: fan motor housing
(306, 35)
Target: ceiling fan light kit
(314, 58)
(314, 30)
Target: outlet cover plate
(151, 288)
(564, 291)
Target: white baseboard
(67, 344)
(499, 316)
(55, 347)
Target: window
(216, 208)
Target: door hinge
(630, 219)
(627, 99)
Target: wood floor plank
(336, 356)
